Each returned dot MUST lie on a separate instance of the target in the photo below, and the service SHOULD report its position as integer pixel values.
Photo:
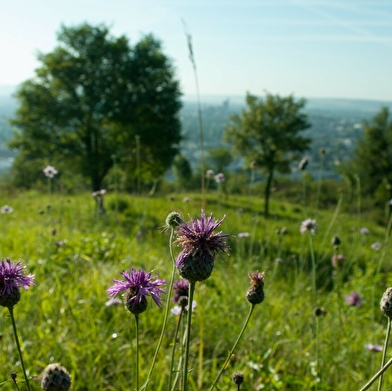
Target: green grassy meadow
(75, 253)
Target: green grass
(64, 318)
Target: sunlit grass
(75, 254)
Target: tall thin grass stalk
(233, 348)
(137, 352)
(314, 271)
(319, 183)
(202, 164)
(192, 285)
(11, 311)
(384, 353)
(166, 312)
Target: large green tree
(268, 134)
(372, 156)
(95, 96)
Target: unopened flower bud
(386, 303)
(255, 294)
(173, 219)
(55, 378)
(238, 378)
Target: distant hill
(336, 124)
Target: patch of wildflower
(376, 246)
(220, 178)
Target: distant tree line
(100, 108)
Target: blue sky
(311, 48)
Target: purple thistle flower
(308, 225)
(176, 310)
(353, 299)
(12, 278)
(376, 246)
(138, 285)
(50, 171)
(180, 288)
(220, 178)
(373, 348)
(364, 231)
(243, 235)
(200, 246)
(7, 209)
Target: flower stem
(314, 288)
(384, 353)
(233, 348)
(376, 376)
(137, 350)
(144, 386)
(192, 285)
(11, 310)
(174, 348)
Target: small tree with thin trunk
(268, 133)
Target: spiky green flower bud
(238, 378)
(255, 294)
(386, 303)
(55, 378)
(173, 219)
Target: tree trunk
(268, 192)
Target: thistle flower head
(200, 245)
(55, 378)
(50, 171)
(6, 209)
(308, 225)
(12, 278)
(137, 286)
(181, 289)
(220, 178)
(337, 260)
(386, 303)
(255, 294)
(173, 219)
(303, 164)
(210, 173)
(238, 378)
(353, 299)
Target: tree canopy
(267, 134)
(372, 157)
(95, 96)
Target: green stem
(174, 348)
(384, 353)
(233, 348)
(314, 288)
(11, 310)
(137, 351)
(144, 386)
(192, 285)
(376, 376)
